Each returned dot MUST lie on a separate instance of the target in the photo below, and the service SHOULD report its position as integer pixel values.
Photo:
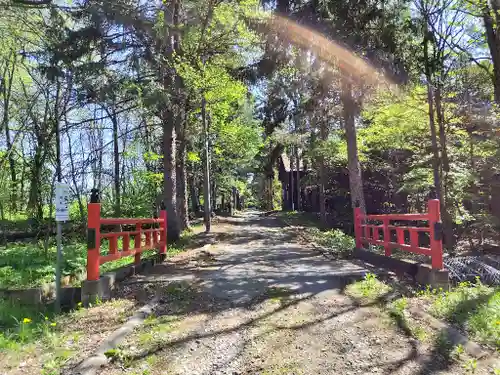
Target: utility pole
(206, 163)
(62, 214)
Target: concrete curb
(45, 293)
(422, 273)
(90, 365)
(453, 335)
(94, 290)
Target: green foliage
(335, 240)
(474, 307)
(277, 192)
(25, 265)
(142, 190)
(369, 288)
(396, 122)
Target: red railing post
(93, 240)
(357, 227)
(435, 226)
(387, 239)
(138, 243)
(162, 247)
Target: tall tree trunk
(169, 112)
(292, 187)
(206, 165)
(182, 195)
(6, 89)
(491, 19)
(297, 179)
(445, 203)
(195, 202)
(436, 160)
(116, 163)
(355, 178)
(57, 132)
(213, 196)
(323, 133)
(35, 194)
(170, 175)
(74, 174)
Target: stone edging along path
(90, 365)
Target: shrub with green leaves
(474, 307)
(334, 240)
(369, 288)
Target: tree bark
(491, 19)
(445, 203)
(297, 179)
(6, 90)
(323, 133)
(436, 161)
(182, 195)
(292, 188)
(168, 113)
(206, 166)
(73, 175)
(116, 164)
(195, 202)
(35, 194)
(355, 178)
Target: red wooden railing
(379, 230)
(154, 238)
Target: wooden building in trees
(288, 174)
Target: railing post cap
(94, 196)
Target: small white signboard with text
(62, 202)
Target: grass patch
(27, 265)
(21, 325)
(334, 240)
(397, 312)
(474, 307)
(283, 370)
(155, 329)
(45, 343)
(299, 218)
(278, 294)
(370, 288)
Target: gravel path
(259, 302)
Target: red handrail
(155, 238)
(367, 233)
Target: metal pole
(58, 267)
(206, 169)
(206, 166)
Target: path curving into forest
(259, 301)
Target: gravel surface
(256, 301)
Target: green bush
(474, 307)
(369, 288)
(335, 240)
(25, 265)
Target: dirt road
(258, 301)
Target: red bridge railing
(381, 230)
(143, 239)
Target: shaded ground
(259, 302)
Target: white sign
(62, 202)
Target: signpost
(62, 214)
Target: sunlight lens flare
(339, 58)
